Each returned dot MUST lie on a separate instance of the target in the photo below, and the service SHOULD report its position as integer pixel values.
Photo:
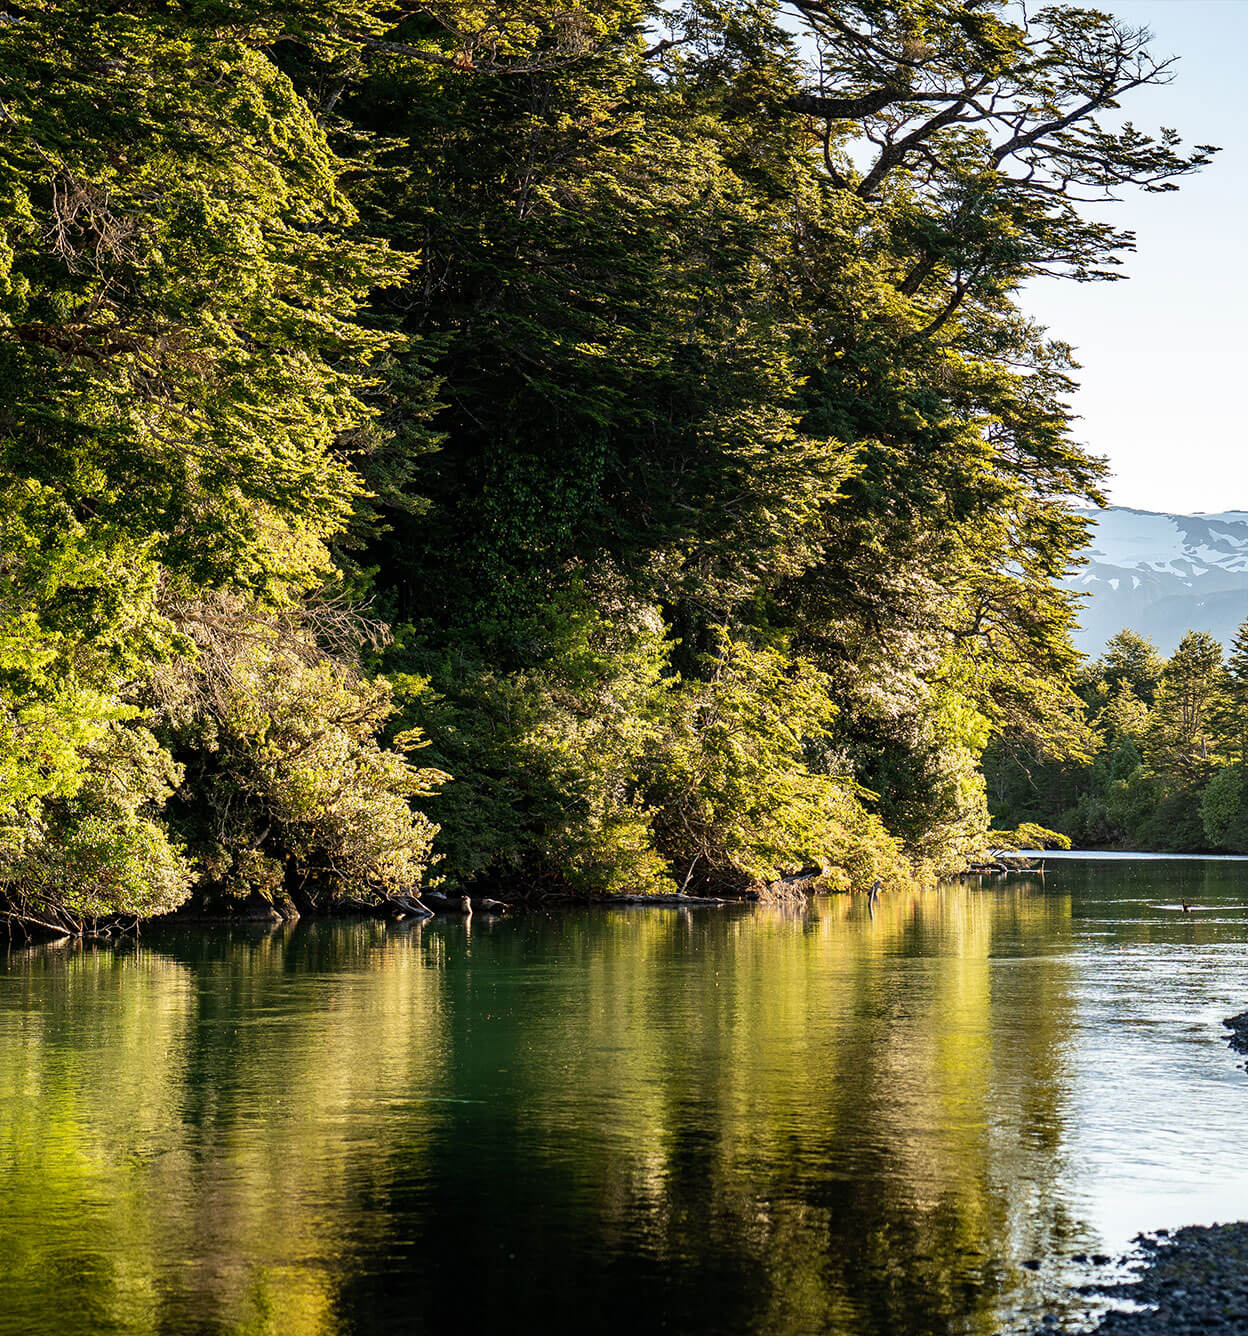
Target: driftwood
(999, 862)
(408, 906)
(665, 900)
(24, 923)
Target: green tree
(186, 377)
(694, 372)
(1232, 715)
(1180, 743)
(959, 141)
(1224, 811)
(665, 387)
(1132, 660)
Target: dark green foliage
(1231, 708)
(1166, 772)
(678, 416)
(1224, 809)
(1132, 661)
(1179, 740)
(696, 377)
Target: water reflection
(188, 1131)
(752, 1121)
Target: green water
(624, 1121)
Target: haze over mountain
(1163, 575)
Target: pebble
(1194, 1281)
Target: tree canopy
(1166, 767)
(629, 402)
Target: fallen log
(679, 900)
(410, 905)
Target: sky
(1164, 354)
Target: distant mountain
(1162, 575)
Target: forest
(581, 445)
(1168, 768)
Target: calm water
(741, 1121)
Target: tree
(1224, 811)
(962, 146)
(1132, 660)
(644, 290)
(665, 390)
(185, 377)
(993, 117)
(1180, 741)
(1231, 719)
(622, 444)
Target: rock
(1238, 1026)
(1192, 1281)
(256, 909)
(285, 907)
(447, 904)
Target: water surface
(741, 1121)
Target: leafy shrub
(102, 850)
(737, 799)
(279, 730)
(1223, 809)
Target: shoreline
(1124, 855)
(1181, 1281)
(260, 911)
(1193, 1280)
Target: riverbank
(1193, 1280)
(1127, 856)
(24, 928)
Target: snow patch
(1161, 575)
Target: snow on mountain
(1162, 575)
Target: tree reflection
(756, 1121)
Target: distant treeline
(1167, 767)
(580, 444)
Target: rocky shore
(1238, 1026)
(1194, 1280)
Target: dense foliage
(628, 402)
(1169, 763)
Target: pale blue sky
(1165, 353)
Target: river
(625, 1121)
